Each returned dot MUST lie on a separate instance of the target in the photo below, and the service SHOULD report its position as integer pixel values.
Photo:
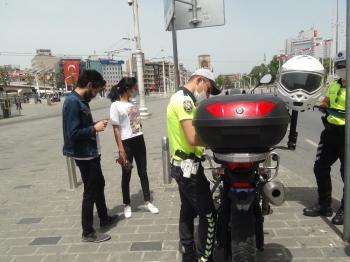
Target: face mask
(133, 94)
(200, 96)
(342, 73)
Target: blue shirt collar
(187, 93)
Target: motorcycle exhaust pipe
(273, 191)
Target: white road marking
(311, 142)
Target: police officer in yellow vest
(186, 150)
(331, 146)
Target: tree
(258, 72)
(60, 79)
(273, 66)
(3, 76)
(219, 80)
(29, 77)
(246, 79)
(326, 64)
(42, 77)
(50, 77)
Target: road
(301, 160)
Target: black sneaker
(110, 220)
(190, 257)
(338, 219)
(318, 210)
(96, 237)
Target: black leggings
(135, 148)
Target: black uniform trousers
(196, 199)
(330, 149)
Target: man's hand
(100, 125)
(323, 104)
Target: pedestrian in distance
(186, 150)
(18, 103)
(147, 91)
(81, 141)
(332, 144)
(127, 129)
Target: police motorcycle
(242, 131)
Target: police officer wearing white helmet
(331, 145)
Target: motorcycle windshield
(307, 82)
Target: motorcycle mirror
(264, 80)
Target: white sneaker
(152, 208)
(127, 211)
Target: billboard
(70, 68)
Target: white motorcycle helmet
(300, 81)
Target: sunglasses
(210, 90)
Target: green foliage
(326, 64)
(258, 72)
(219, 80)
(3, 76)
(274, 65)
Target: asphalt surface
(40, 214)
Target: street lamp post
(143, 109)
(37, 80)
(250, 81)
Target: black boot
(189, 257)
(318, 210)
(338, 219)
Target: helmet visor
(307, 81)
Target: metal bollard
(71, 173)
(166, 160)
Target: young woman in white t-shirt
(125, 118)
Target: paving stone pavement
(40, 215)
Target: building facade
(112, 72)
(71, 67)
(42, 59)
(94, 63)
(309, 43)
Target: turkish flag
(315, 33)
(70, 68)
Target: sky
(81, 28)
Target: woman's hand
(122, 157)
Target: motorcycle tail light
(240, 165)
(241, 184)
(241, 108)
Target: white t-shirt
(127, 116)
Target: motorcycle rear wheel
(243, 235)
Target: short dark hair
(123, 85)
(91, 76)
